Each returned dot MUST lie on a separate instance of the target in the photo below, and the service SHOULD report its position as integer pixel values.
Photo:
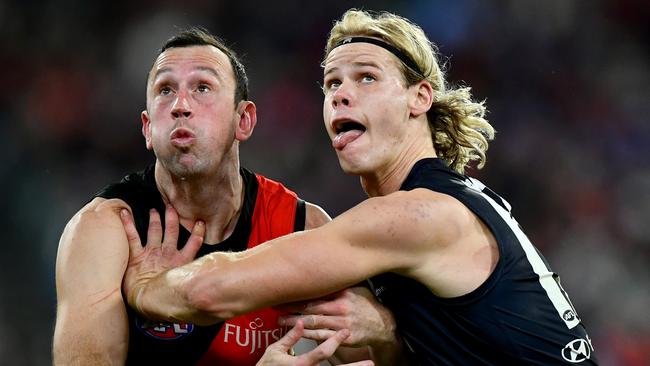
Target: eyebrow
(199, 68)
(355, 64)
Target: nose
(181, 107)
(342, 96)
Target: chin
(352, 168)
(185, 168)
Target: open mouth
(349, 126)
(347, 132)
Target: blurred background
(567, 85)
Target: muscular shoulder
(96, 211)
(99, 217)
(100, 206)
(93, 242)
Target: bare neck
(389, 178)
(216, 199)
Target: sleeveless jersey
(269, 210)
(519, 316)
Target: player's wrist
(389, 336)
(137, 299)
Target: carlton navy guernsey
(519, 316)
(269, 210)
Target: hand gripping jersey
(269, 210)
(519, 316)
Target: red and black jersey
(269, 210)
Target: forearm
(196, 293)
(167, 297)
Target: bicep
(91, 260)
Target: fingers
(154, 233)
(291, 338)
(318, 334)
(171, 228)
(132, 236)
(330, 305)
(333, 307)
(318, 328)
(327, 348)
(315, 321)
(195, 241)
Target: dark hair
(196, 36)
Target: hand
(159, 255)
(356, 309)
(277, 354)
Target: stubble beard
(184, 165)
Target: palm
(158, 255)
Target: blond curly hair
(459, 130)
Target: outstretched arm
(380, 235)
(91, 322)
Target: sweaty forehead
(359, 53)
(193, 57)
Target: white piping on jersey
(553, 289)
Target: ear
(247, 112)
(421, 98)
(146, 129)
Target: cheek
(160, 105)
(326, 112)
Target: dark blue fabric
(508, 320)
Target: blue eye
(332, 84)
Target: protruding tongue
(345, 138)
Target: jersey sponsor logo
(577, 350)
(254, 336)
(163, 330)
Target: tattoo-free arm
(91, 323)
(384, 234)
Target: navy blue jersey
(519, 316)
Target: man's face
(191, 117)
(365, 108)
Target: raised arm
(91, 321)
(392, 233)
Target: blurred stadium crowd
(567, 84)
